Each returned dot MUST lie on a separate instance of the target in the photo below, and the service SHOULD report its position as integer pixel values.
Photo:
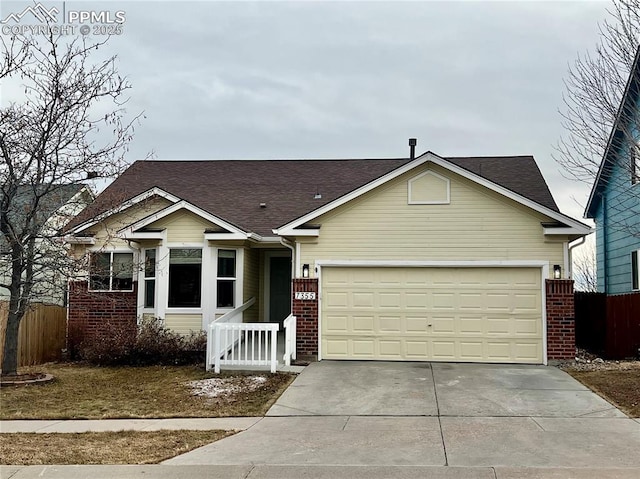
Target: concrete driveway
(433, 414)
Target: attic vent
(263, 205)
(317, 196)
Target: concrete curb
(320, 472)
(72, 426)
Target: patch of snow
(216, 387)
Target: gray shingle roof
(234, 189)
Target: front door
(279, 288)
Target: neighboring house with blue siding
(614, 202)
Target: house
(614, 203)
(56, 205)
(427, 258)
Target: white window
(226, 280)
(185, 278)
(635, 270)
(149, 278)
(111, 271)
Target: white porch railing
(289, 339)
(230, 342)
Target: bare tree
(69, 125)
(584, 268)
(594, 90)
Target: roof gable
(451, 164)
(618, 136)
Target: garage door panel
(363, 348)
(417, 350)
(471, 350)
(443, 300)
(337, 348)
(471, 301)
(470, 326)
(389, 300)
(524, 326)
(499, 302)
(337, 299)
(528, 350)
(445, 314)
(390, 349)
(443, 325)
(363, 324)
(363, 300)
(444, 350)
(390, 324)
(499, 351)
(418, 325)
(336, 324)
(501, 326)
(416, 300)
(523, 303)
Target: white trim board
(123, 206)
(185, 205)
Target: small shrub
(151, 344)
(111, 345)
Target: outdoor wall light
(557, 271)
(305, 270)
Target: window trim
(187, 309)
(233, 279)
(635, 270)
(111, 290)
(146, 279)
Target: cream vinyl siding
(105, 231)
(432, 314)
(183, 227)
(251, 284)
(183, 323)
(477, 224)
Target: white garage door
(432, 314)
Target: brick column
(561, 337)
(94, 313)
(306, 313)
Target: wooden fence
(608, 325)
(42, 333)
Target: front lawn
(616, 381)
(619, 387)
(86, 392)
(123, 447)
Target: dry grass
(84, 392)
(124, 447)
(619, 387)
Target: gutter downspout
(286, 243)
(571, 246)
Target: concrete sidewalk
(319, 472)
(225, 423)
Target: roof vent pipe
(412, 148)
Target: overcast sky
(254, 80)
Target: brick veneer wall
(561, 331)
(91, 313)
(306, 313)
